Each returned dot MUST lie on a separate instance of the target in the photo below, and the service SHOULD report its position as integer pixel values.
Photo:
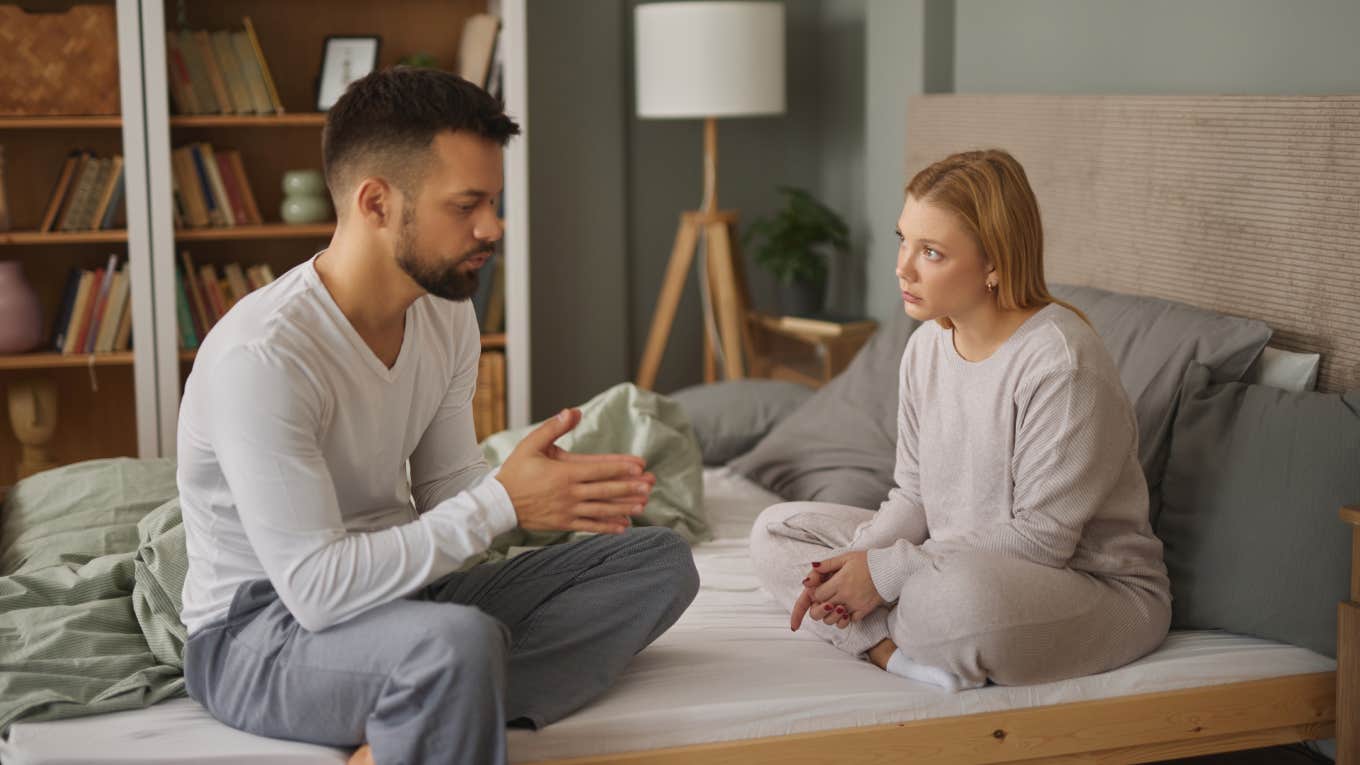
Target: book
(202, 320)
(235, 202)
(68, 298)
(210, 67)
(87, 194)
(236, 281)
(476, 46)
(123, 340)
(113, 314)
(214, 205)
(189, 188)
(264, 66)
(80, 316)
(104, 198)
(212, 288)
(250, 67)
(181, 87)
(824, 326)
(91, 332)
(114, 211)
(206, 159)
(198, 74)
(60, 190)
(80, 186)
(82, 300)
(247, 197)
(230, 67)
(188, 339)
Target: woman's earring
(990, 288)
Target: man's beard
(443, 280)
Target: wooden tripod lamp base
(727, 286)
(726, 280)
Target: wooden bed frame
(1243, 205)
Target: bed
(1186, 198)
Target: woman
(1016, 544)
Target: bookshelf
(126, 404)
(106, 402)
(291, 36)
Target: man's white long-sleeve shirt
(292, 448)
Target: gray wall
(1158, 46)
(577, 197)
(607, 188)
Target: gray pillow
(840, 445)
(730, 417)
(1153, 342)
(1249, 518)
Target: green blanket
(94, 561)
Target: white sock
(900, 665)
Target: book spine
(264, 66)
(247, 197)
(215, 216)
(219, 190)
(68, 299)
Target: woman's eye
(931, 255)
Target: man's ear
(376, 201)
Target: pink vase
(20, 312)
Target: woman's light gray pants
(435, 677)
(978, 616)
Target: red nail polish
(816, 564)
(840, 610)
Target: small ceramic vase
(304, 197)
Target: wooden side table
(803, 350)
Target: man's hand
(555, 490)
(837, 591)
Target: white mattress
(729, 669)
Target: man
(322, 600)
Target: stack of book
(95, 315)
(205, 293)
(211, 188)
(88, 195)
(220, 72)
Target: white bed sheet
(729, 669)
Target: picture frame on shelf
(344, 59)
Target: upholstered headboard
(1243, 205)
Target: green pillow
(1249, 517)
(627, 420)
(75, 513)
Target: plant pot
(801, 298)
(20, 312)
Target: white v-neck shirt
(292, 448)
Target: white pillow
(1285, 370)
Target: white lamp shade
(709, 59)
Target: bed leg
(1348, 655)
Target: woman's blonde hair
(989, 193)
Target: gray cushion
(1249, 516)
(839, 446)
(1153, 342)
(730, 417)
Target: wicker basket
(488, 402)
(59, 63)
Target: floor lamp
(707, 60)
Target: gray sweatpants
(435, 677)
(977, 616)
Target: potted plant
(793, 244)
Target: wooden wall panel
(1246, 205)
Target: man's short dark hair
(385, 124)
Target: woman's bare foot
(362, 756)
(880, 653)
